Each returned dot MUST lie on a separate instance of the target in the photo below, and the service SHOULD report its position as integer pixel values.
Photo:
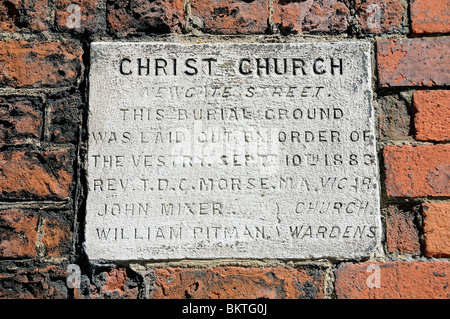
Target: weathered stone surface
(231, 150)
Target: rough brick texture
(311, 16)
(18, 233)
(32, 64)
(432, 115)
(238, 282)
(436, 229)
(379, 16)
(32, 174)
(394, 118)
(21, 119)
(231, 16)
(33, 282)
(79, 15)
(148, 17)
(65, 118)
(402, 233)
(56, 235)
(396, 280)
(430, 16)
(109, 283)
(413, 171)
(413, 62)
(23, 15)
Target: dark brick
(148, 17)
(21, 119)
(32, 174)
(311, 16)
(231, 16)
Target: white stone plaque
(226, 150)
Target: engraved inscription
(231, 151)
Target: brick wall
(44, 59)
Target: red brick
(237, 282)
(431, 115)
(65, 118)
(33, 64)
(311, 16)
(413, 62)
(379, 16)
(57, 235)
(402, 235)
(413, 171)
(430, 16)
(21, 119)
(142, 16)
(18, 233)
(436, 219)
(79, 15)
(32, 174)
(232, 16)
(397, 280)
(33, 282)
(23, 15)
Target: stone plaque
(227, 150)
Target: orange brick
(432, 115)
(311, 16)
(430, 16)
(79, 15)
(414, 171)
(436, 229)
(33, 64)
(21, 119)
(393, 280)
(413, 62)
(237, 282)
(232, 16)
